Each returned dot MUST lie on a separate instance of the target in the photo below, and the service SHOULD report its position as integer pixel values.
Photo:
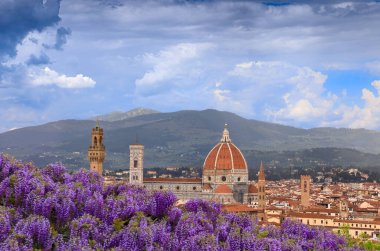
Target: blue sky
(291, 62)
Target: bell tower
(96, 151)
(305, 190)
(136, 164)
(261, 187)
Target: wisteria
(51, 209)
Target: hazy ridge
(185, 137)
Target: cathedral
(224, 176)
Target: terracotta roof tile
(238, 208)
(225, 156)
(223, 188)
(252, 188)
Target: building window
(177, 187)
(161, 187)
(135, 163)
(223, 178)
(238, 179)
(194, 188)
(305, 186)
(356, 233)
(209, 178)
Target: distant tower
(136, 164)
(305, 190)
(96, 151)
(261, 187)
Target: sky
(300, 63)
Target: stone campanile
(96, 151)
(136, 164)
(305, 190)
(261, 187)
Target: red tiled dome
(223, 188)
(225, 156)
(252, 188)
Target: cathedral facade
(224, 176)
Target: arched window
(209, 178)
(135, 162)
(100, 140)
(238, 179)
(177, 187)
(194, 188)
(95, 141)
(224, 178)
(161, 187)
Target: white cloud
(367, 116)
(224, 101)
(170, 63)
(47, 76)
(307, 101)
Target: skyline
(299, 64)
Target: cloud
(47, 77)
(224, 101)
(308, 100)
(175, 62)
(60, 38)
(38, 60)
(20, 17)
(367, 116)
(302, 92)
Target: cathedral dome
(225, 156)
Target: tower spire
(226, 135)
(261, 188)
(97, 122)
(261, 172)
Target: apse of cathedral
(224, 176)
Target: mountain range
(185, 137)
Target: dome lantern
(226, 135)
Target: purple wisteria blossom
(51, 209)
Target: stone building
(136, 164)
(96, 151)
(224, 177)
(305, 190)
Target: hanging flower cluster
(50, 209)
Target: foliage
(50, 209)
